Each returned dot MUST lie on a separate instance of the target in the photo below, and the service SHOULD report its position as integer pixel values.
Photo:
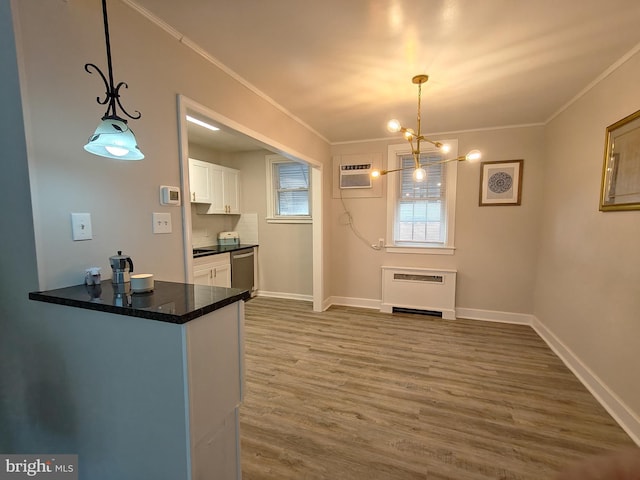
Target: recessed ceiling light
(201, 123)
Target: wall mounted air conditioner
(355, 176)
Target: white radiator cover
(419, 289)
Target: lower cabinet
(215, 376)
(145, 399)
(213, 270)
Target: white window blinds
(421, 215)
(291, 182)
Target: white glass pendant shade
(419, 174)
(114, 139)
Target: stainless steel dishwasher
(242, 269)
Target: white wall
(588, 279)
(56, 39)
(496, 247)
(19, 331)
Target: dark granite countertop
(169, 302)
(215, 249)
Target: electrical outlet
(381, 242)
(161, 223)
(81, 226)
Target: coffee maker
(121, 266)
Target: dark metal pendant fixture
(113, 138)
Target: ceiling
(223, 140)
(344, 67)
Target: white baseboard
(494, 316)
(353, 302)
(326, 303)
(288, 296)
(621, 413)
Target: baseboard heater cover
(419, 289)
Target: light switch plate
(161, 222)
(81, 226)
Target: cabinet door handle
(215, 273)
(194, 196)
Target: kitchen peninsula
(153, 381)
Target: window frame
(272, 216)
(393, 187)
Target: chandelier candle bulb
(473, 156)
(419, 174)
(394, 126)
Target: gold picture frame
(501, 183)
(620, 188)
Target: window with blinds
(422, 206)
(291, 182)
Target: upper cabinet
(216, 186)
(232, 190)
(226, 190)
(200, 181)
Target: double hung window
(288, 190)
(421, 214)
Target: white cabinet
(232, 190)
(169, 413)
(213, 270)
(199, 181)
(225, 186)
(215, 369)
(215, 186)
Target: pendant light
(113, 138)
(420, 170)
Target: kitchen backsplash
(247, 228)
(205, 228)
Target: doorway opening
(243, 145)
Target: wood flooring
(356, 394)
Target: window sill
(289, 220)
(421, 250)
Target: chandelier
(113, 138)
(414, 137)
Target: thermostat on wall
(169, 195)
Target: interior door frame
(184, 104)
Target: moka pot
(121, 267)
